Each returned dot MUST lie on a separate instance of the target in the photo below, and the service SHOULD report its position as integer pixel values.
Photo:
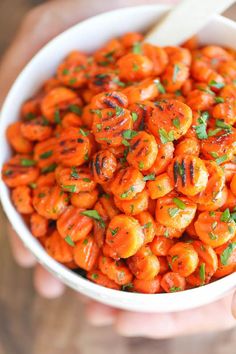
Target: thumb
(234, 305)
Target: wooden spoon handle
(185, 20)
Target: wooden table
(32, 325)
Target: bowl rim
(69, 277)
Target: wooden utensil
(185, 20)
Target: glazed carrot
(158, 56)
(133, 206)
(164, 265)
(58, 248)
(188, 174)
(73, 147)
(131, 39)
(215, 228)
(144, 264)
(22, 199)
(148, 224)
(168, 231)
(102, 81)
(161, 245)
(170, 120)
(127, 183)
(50, 202)
(72, 72)
(226, 259)
(178, 54)
(57, 101)
(115, 270)
(160, 186)
(110, 126)
(207, 266)
(209, 197)
(71, 120)
(20, 170)
(141, 91)
(164, 157)
(44, 154)
(75, 179)
(225, 111)
(84, 200)
(230, 200)
(183, 258)
(73, 224)
(86, 253)
(134, 67)
(187, 146)
(172, 282)
(107, 55)
(38, 225)
(142, 151)
(103, 165)
(124, 235)
(31, 108)
(233, 185)
(99, 278)
(37, 129)
(175, 212)
(17, 140)
(151, 286)
(109, 252)
(47, 179)
(174, 76)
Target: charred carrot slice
(73, 147)
(103, 165)
(86, 253)
(124, 235)
(20, 170)
(189, 174)
(75, 179)
(57, 101)
(142, 151)
(50, 202)
(110, 126)
(74, 224)
(127, 183)
(17, 140)
(170, 120)
(37, 129)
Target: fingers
(46, 285)
(99, 314)
(22, 256)
(234, 305)
(213, 317)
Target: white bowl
(88, 36)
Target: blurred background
(32, 325)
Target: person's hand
(39, 26)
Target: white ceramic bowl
(88, 36)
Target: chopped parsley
(74, 173)
(225, 216)
(150, 177)
(176, 123)
(174, 289)
(93, 214)
(202, 273)
(221, 159)
(173, 212)
(27, 162)
(216, 84)
(57, 117)
(159, 86)
(134, 116)
(175, 72)
(71, 188)
(180, 204)
(129, 134)
(69, 241)
(46, 155)
(219, 100)
(114, 231)
(137, 48)
(224, 257)
(135, 67)
(166, 136)
(49, 168)
(83, 132)
(201, 127)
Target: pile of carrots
(124, 167)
